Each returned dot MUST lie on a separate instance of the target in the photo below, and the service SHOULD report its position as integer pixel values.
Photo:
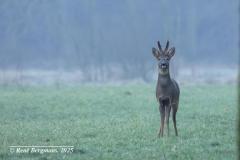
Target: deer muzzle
(163, 66)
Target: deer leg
(162, 114)
(174, 118)
(168, 110)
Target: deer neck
(164, 79)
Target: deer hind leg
(175, 106)
(162, 114)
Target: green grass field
(118, 122)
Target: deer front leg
(168, 110)
(162, 114)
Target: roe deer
(167, 90)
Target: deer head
(163, 57)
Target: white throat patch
(163, 72)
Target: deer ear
(171, 52)
(155, 53)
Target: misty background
(106, 41)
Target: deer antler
(166, 52)
(160, 48)
(166, 48)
